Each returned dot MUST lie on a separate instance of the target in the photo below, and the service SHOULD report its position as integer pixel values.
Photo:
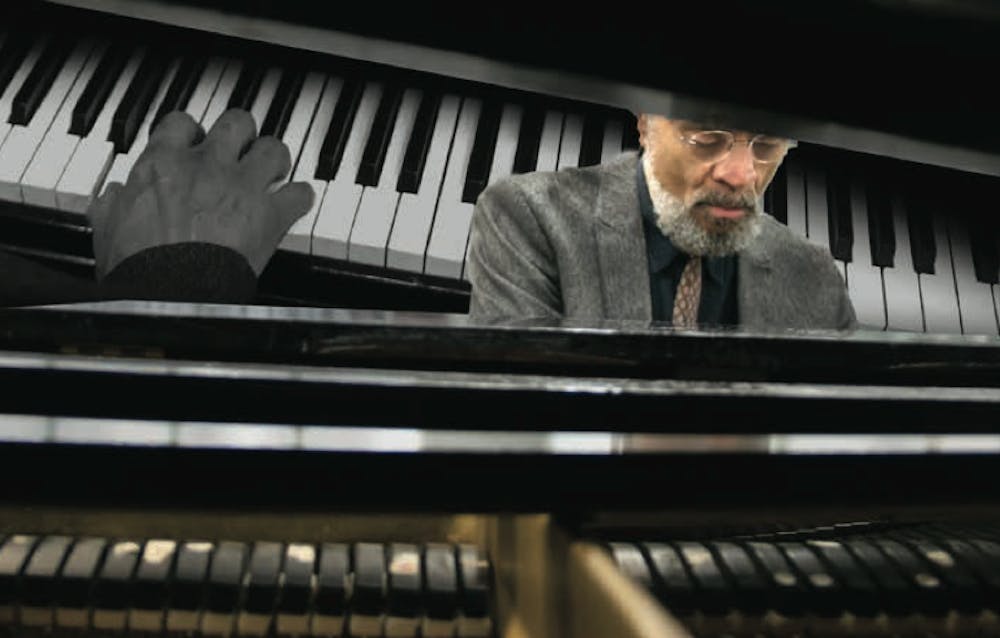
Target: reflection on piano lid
(864, 78)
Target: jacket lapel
(621, 245)
(755, 304)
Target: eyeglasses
(714, 146)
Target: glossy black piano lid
(890, 48)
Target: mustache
(745, 200)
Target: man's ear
(641, 124)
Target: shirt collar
(662, 251)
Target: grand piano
(349, 455)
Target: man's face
(715, 193)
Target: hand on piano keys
(185, 190)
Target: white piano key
(265, 95)
(503, 156)
(937, 291)
(975, 298)
(901, 285)
(506, 146)
(7, 99)
(299, 236)
(864, 280)
(548, 146)
(572, 139)
(123, 162)
(224, 90)
(38, 184)
(94, 154)
(818, 224)
(450, 233)
(408, 240)
(302, 115)
(340, 202)
(614, 133)
(203, 91)
(370, 235)
(796, 189)
(23, 141)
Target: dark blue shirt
(666, 263)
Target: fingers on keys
(176, 130)
(293, 201)
(231, 135)
(267, 161)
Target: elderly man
(673, 234)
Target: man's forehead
(711, 125)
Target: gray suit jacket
(570, 244)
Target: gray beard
(676, 219)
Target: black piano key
(247, 87)
(95, 94)
(826, 596)
(39, 578)
(187, 588)
(593, 140)
(405, 581)
(332, 150)
(528, 139)
(963, 588)
(373, 157)
(225, 577)
(920, 218)
(928, 591)
(36, 86)
(79, 573)
(14, 556)
(881, 228)
(441, 575)
(265, 571)
(985, 250)
(895, 593)
(838, 206)
(153, 574)
(776, 196)
(860, 593)
(474, 581)
(182, 86)
(15, 49)
(369, 579)
(420, 142)
(753, 591)
(791, 591)
(285, 97)
(297, 589)
(112, 587)
(481, 158)
(331, 579)
(630, 141)
(137, 100)
(671, 582)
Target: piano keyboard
(397, 161)
(221, 588)
(396, 165)
(864, 579)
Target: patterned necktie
(688, 295)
